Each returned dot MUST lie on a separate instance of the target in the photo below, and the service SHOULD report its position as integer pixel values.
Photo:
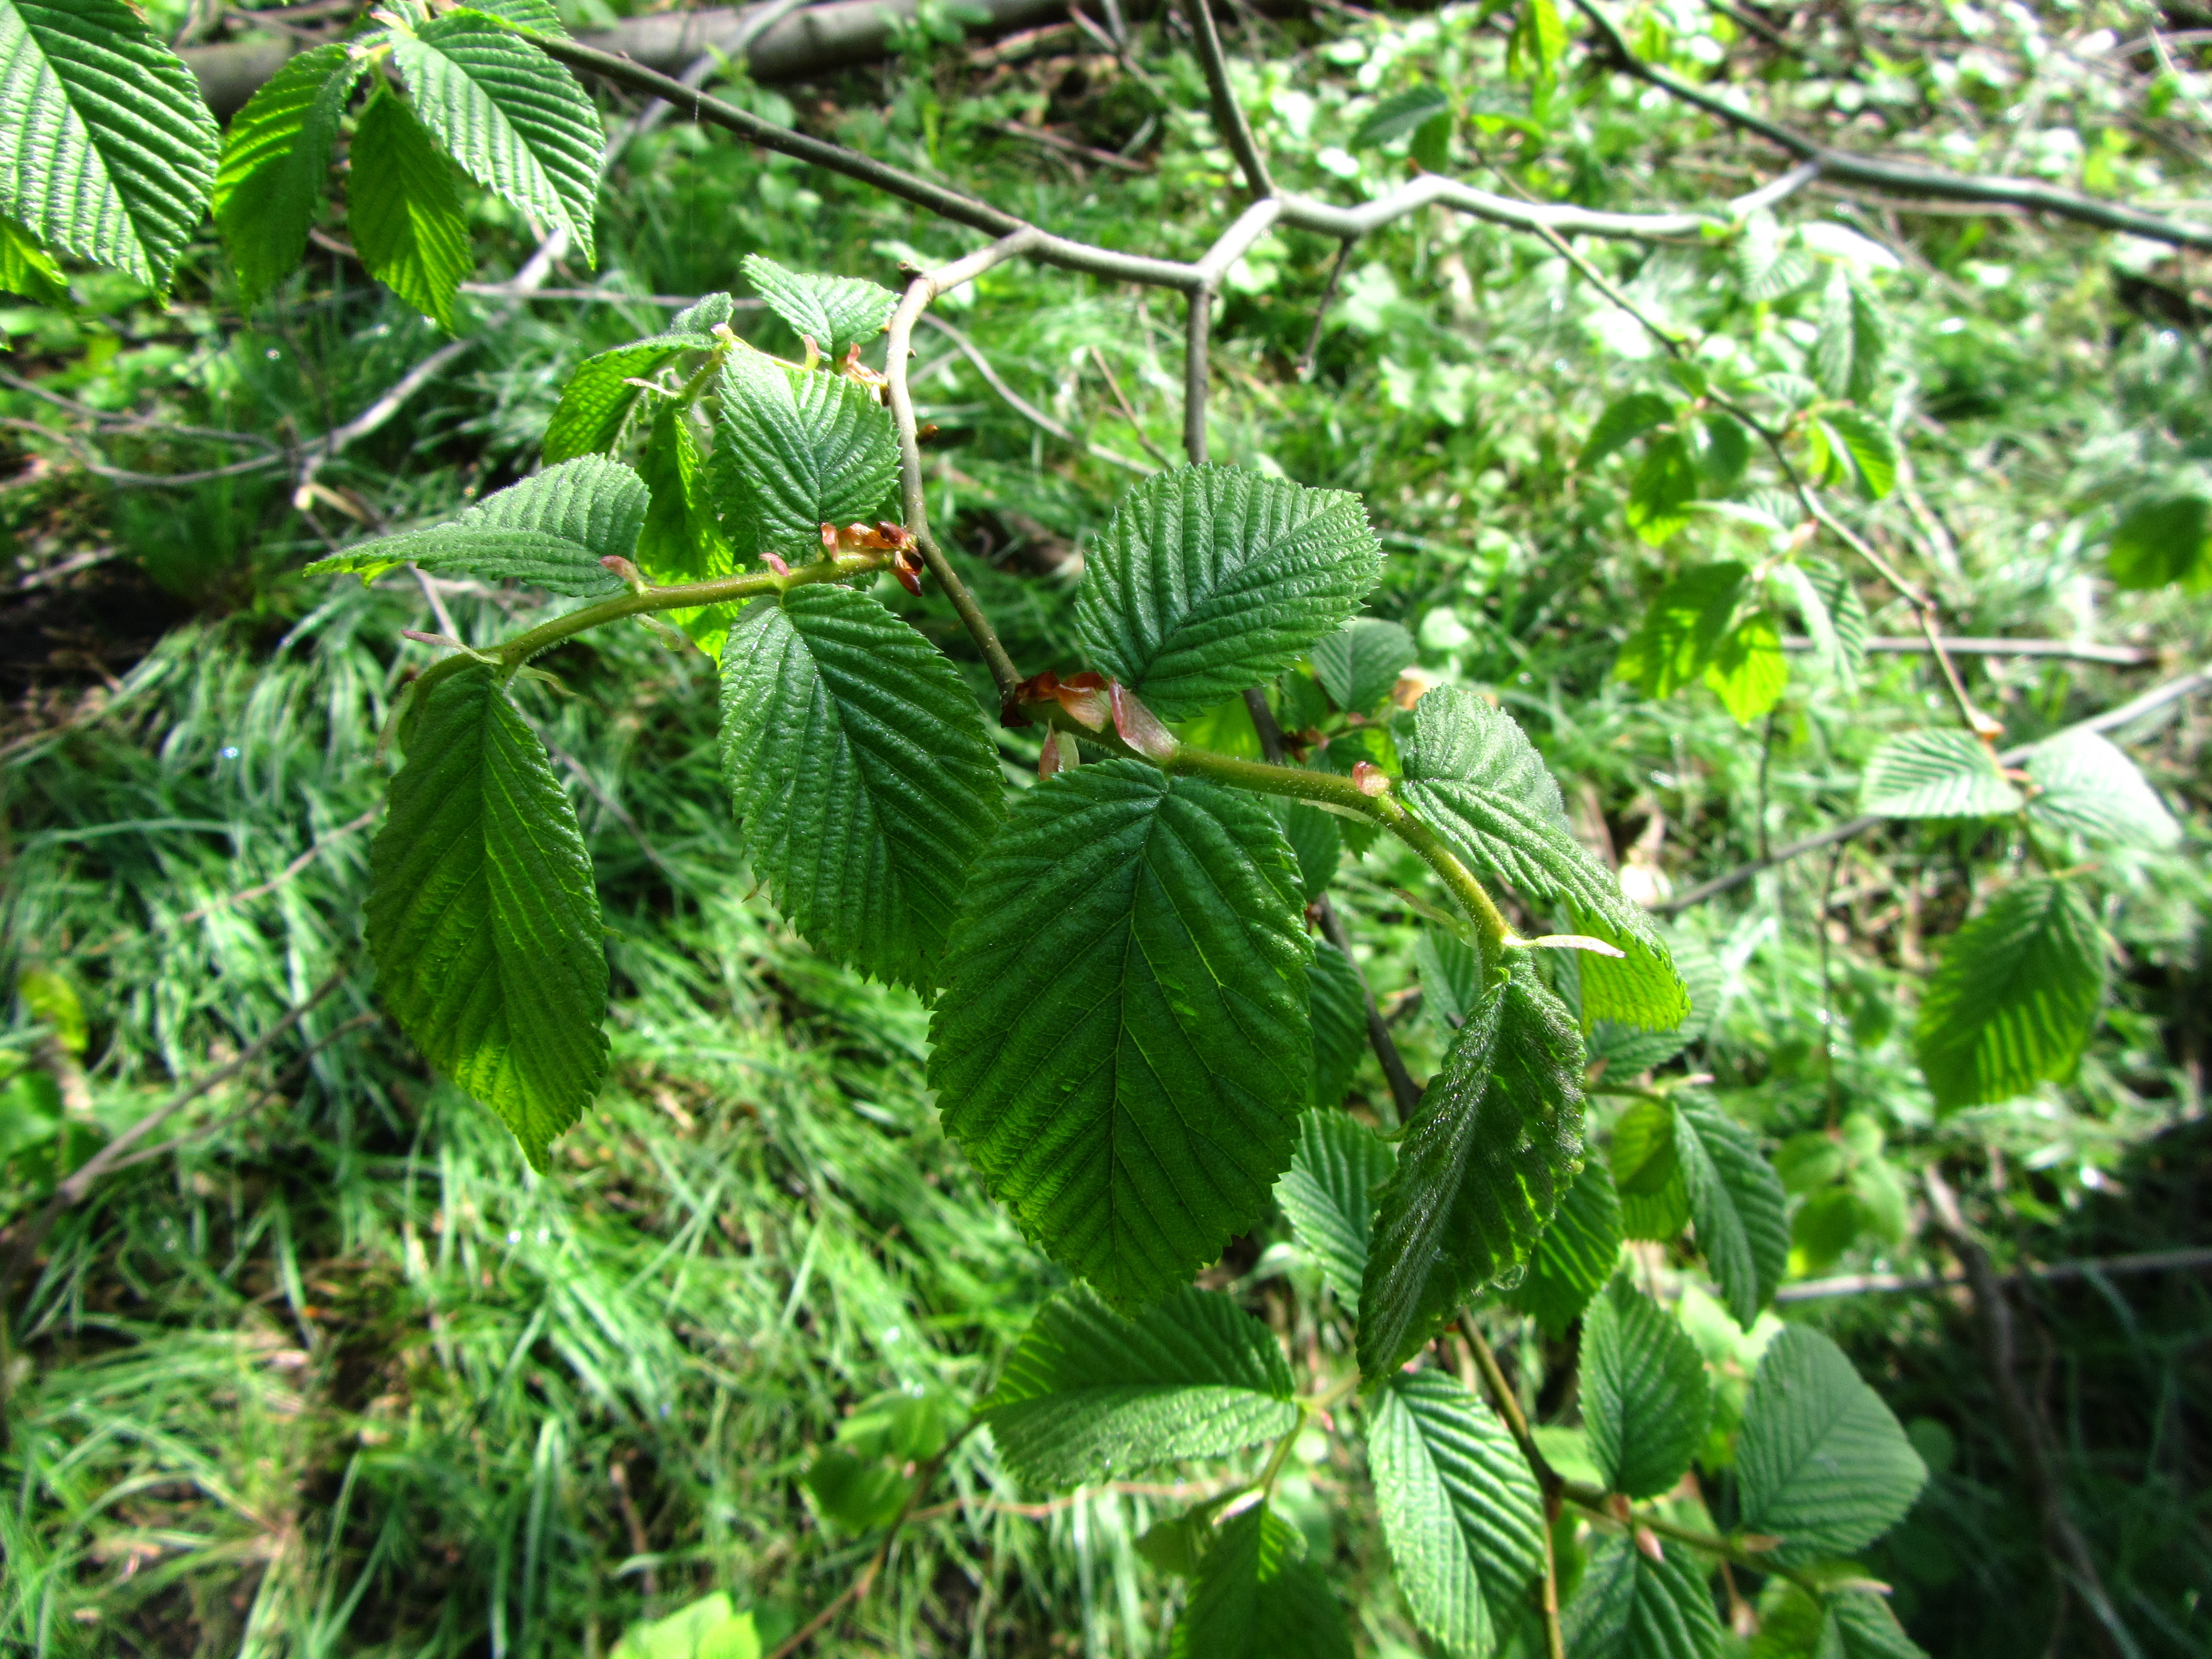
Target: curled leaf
(1139, 726)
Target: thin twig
(1121, 401)
(2056, 1272)
(1198, 329)
(1304, 368)
(1962, 645)
(1068, 146)
(1022, 406)
(1228, 117)
(1547, 1478)
(315, 850)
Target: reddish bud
(775, 564)
(623, 568)
(1087, 700)
(1140, 727)
(1371, 779)
(829, 539)
(1648, 1541)
(1059, 753)
(909, 572)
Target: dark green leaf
(1624, 419)
(277, 162)
(1124, 1041)
(1210, 579)
(1329, 1195)
(1358, 665)
(1645, 1400)
(26, 268)
(404, 209)
(1821, 1463)
(1723, 453)
(1682, 631)
(1629, 1606)
(1647, 1172)
(1576, 1253)
(836, 312)
(681, 540)
(1398, 114)
(1254, 1598)
(1496, 1139)
(1314, 839)
(1090, 1394)
(1857, 1626)
(600, 394)
(857, 762)
(2015, 998)
(1664, 489)
(1339, 1022)
(2086, 785)
(859, 1494)
(483, 915)
(1450, 971)
(1738, 1204)
(797, 451)
(1939, 773)
(2162, 542)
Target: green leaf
(1767, 263)
(1748, 669)
(276, 162)
(797, 451)
(1738, 1204)
(1664, 489)
(1627, 1050)
(1821, 1463)
(537, 15)
(710, 1628)
(1358, 666)
(1091, 1394)
(2016, 997)
(1629, 1606)
(1624, 419)
(516, 121)
(1124, 1041)
(1723, 451)
(1397, 115)
(1339, 1022)
(1868, 446)
(1645, 1399)
(1835, 619)
(1939, 773)
(482, 916)
(1538, 44)
(1647, 1172)
(2086, 784)
(27, 270)
(857, 762)
(859, 1494)
(1253, 1598)
(1329, 1193)
(1450, 971)
(107, 151)
(682, 540)
(1576, 1253)
(1857, 1626)
(600, 394)
(2161, 542)
(703, 314)
(1681, 633)
(1314, 838)
(403, 209)
(838, 312)
(902, 1425)
(1496, 1139)
(1210, 579)
(1471, 774)
(550, 531)
(1847, 353)
(1462, 1514)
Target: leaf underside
(1738, 1204)
(1942, 772)
(600, 397)
(2087, 784)
(1329, 1193)
(1629, 1606)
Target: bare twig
(1305, 366)
(2147, 1261)
(1114, 386)
(2119, 656)
(1068, 146)
(1022, 406)
(1228, 117)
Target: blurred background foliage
(328, 1371)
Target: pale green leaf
(1399, 115)
(26, 268)
(1681, 633)
(404, 209)
(836, 312)
(2016, 997)
(681, 539)
(1461, 1512)
(1768, 264)
(703, 314)
(1821, 1463)
(482, 916)
(1576, 1253)
(1124, 1041)
(550, 531)
(1471, 774)
(1939, 773)
(1358, 665)
(2164, 541)
(1624, 419)
(1748, 669)
(516, 121)
(1210, 579)
(1868, 447)
(797, 450)
(1495, 1141)
(1329, 1193)
(1629, 1606)
(599, 395)
(107, 151)
(2086, 784)
(1737, 1202)
(1645, 1399)
(538, 16)
(1627, 1050)
(1647, 1173)
(1091, 1394)
(1538, 42)
(862, 780)
(276, 162)
(710, 1628)
(1254, 1597)
(1857, 1625)
(1339, 1004)
(1853, 337)
(1664, 491)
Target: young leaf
(550, 531)
(2086, 784)
(1631, 1606)
(682, 540)
(702, 315)
(1821, 1463)
(2162, 542)
(836, 312)
(1209, 579)
(1339, 1022)
(1329, 1193)
(1682, 631)
(1124, 1040)
(856, 760)
(106, 148)
(2016, 997)
(600, 394)
(538, 16)
(1767, 262)
(482, 916)
(1647, 1172)
(1748, 669)
(1737, 1202)
(276, 162)
(1357, 667)
(1722, 449)
(1645, 1399)
(1089, 1393)
(1627, 1050)
(403, 209)
(1624, 419)
(1661, 494)
(1255, 1598)
(516, 121)
(1397, 115)
(797, 451)
(27, 270)
(1461, 1509)
(1472, 772)
(1538, 42)
(1848, 351)
(1495, 1141)
(1576, 1253)
(1939, 773)
(1870, 447)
